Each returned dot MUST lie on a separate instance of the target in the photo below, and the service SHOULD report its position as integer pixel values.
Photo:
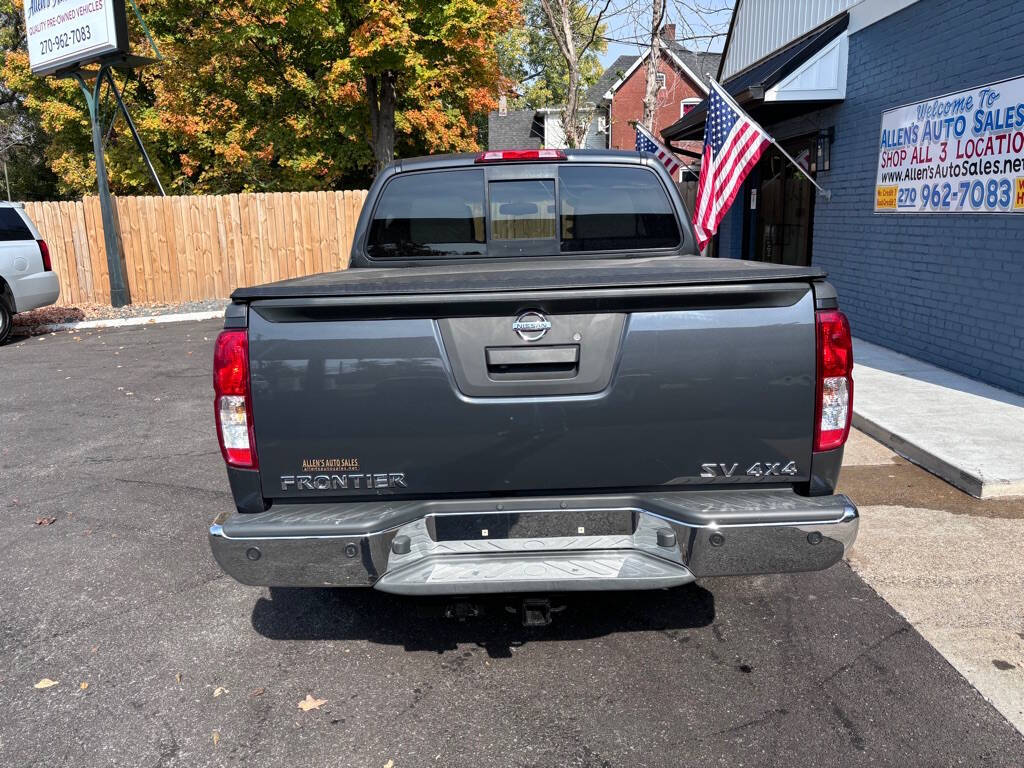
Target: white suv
(27, 280)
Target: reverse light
(232, 400)
(44, 251)
(834, 405)
(506, 155)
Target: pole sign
(69, 33)
(960, 153)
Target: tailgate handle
(532, 363)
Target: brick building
(617, 101)
(924, 248)
(619, 95)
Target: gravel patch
(38, 321)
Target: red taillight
(506, 155)
(232, 401)
(44, 251)
(834, 404)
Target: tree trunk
(653, 60)
(381, 98)
(570, 116)
(574, 125)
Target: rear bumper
(642, 541)
(39, 289)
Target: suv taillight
(232, 400)
(834, 406)
(44, 251)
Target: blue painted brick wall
(946, 288)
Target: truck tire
(5, 322)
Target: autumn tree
(23, 141)
(266, 95)
(427, 68)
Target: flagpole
(827, 193)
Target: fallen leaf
(46, 683)
(46, 520)
(216, 738)
(309, 703)
(83, 685)
(258, 691)
(389, 764)
(177, 678)
(94, 649)
(218, 691)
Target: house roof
(516, 129)
(700, 64)
(748, 86)
(697, 66)
(611, 75)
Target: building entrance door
(784, 210)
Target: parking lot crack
(875, 645)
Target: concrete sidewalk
(966, 432)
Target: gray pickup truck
(528, 381)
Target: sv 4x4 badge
(757, 469)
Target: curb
(125, 322)
(971, 482)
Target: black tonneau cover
(529, 276)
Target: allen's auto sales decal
(959, 153)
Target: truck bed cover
(531, 276)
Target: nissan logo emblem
(531, 326)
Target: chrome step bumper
(671, 539)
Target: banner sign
(66, 33)
(960, 153)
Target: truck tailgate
(629, 388)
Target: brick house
(617, 100)
(619, 94)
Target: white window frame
(683, 104)
(661, 79)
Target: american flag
(733, 143)
(645, 142)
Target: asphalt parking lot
(160, 660)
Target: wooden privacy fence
(198, 247)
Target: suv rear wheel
(5, 322)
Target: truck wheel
(5, 323)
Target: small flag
(733, 144)
(645, 142)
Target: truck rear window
(12, 227)
(457, 213)
(614, 209)
(430, 214)
(523, 210)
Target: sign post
(119, 295)
(64, 37)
